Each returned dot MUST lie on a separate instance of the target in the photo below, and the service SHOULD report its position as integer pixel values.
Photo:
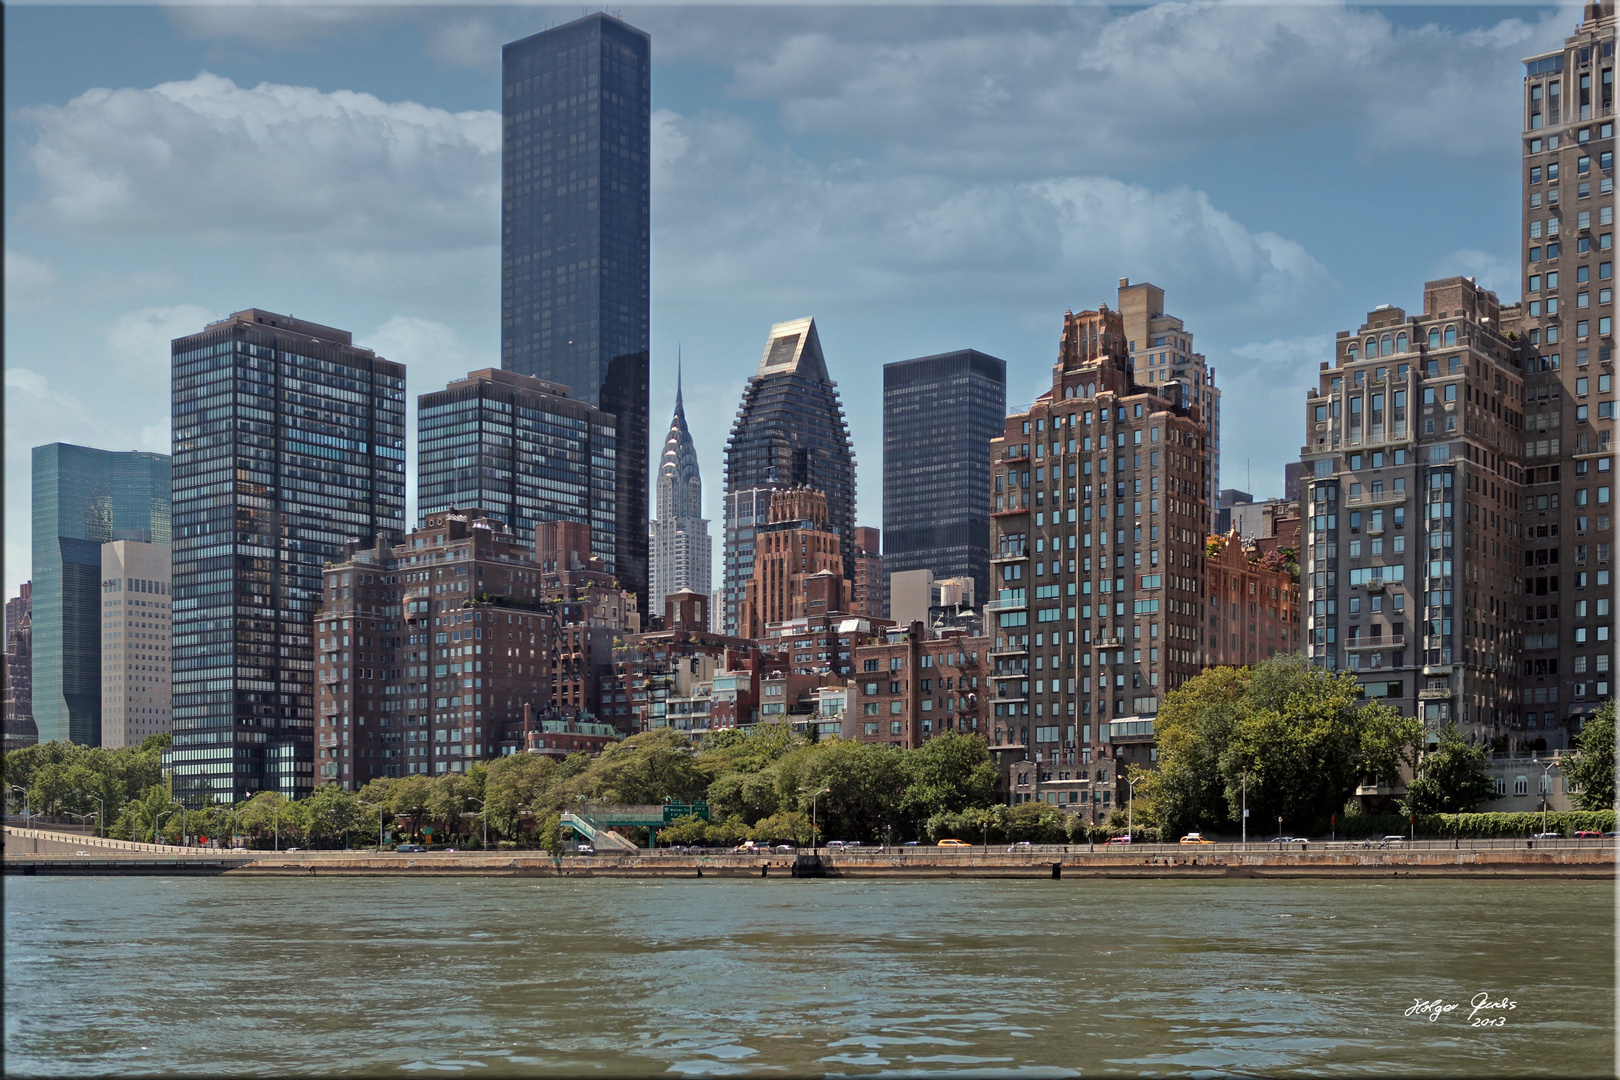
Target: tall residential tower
(575, 183)
(789, 432)
(289, 443)
(1567, 240)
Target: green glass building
(83, 498)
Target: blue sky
(918, 178)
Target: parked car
(1588, 834)
(747, 847)
(293, 850)
(837, 845)
(1020, 845)
(1118, 840)
(954, 843)
(1610, 835)
(409, 847)
(1286, 840)
(1547, 836)
(1195, 838)
(784, 847)
(911, 843)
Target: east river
(500, 976)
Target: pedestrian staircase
(599, 832)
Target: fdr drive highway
(35, 851)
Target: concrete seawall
(1590, 859)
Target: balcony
(1375, 584)
(1437, 669)
(1012, 553)
(1017, 603)
(1375, 644)
(1379, 498)
(1438, 694)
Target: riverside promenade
(33, 851)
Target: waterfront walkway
(34, 851)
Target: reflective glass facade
(574, 237)
(939, 415)
(83, 498)
(288, 443)
(517, 448)
(789, 432)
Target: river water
(493, 976)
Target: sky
(919, 178)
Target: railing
(1373, 644)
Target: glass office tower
(289, 443)
(939, 415)
(519, 449)
(83, 498)
(575, 182)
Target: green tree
(330, 815)
(790, 825)
(647, 768)
(1451, 779)
(948, 773)
(752, 795)
(1037, 822)
(1591, 770)
(688, 829)
(1302, 736)
(515, 784)
(410, 798)
(864, 782)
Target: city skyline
(999, 223)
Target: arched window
(1400, 342)
(1434, 339)
(1386, 346)
(1352, 354)
(1372, 348)
(1091, 389)
(1451, 335)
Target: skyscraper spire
(678, 533)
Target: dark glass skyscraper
(83, 498)
(519, 449)
(575, 181)
(939, 415)
(289, 442)
(789, 432)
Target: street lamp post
(483, 813)
(814, 837)
(101, 817)
(158, 819)
(1130, 809)
(1546, 788)
(17, 787)
(1245, 811)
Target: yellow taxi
(1195, 838)
(954, 843)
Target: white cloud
(138, 342)
(281, 23)
(741, 220)
(271, 163)
(1077, 90)
(430, 349)
(30, 283)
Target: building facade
(798, 564)
(1253, 604)
(137, 627)
(427, 649)
(1415, 515)
(939, 415)
(523, 451)
(682, 554)
(575, 190)
(19, 689)
(789, 432)
(868, 595)
(1098, 527)
(289, 444)
(911, 686)
(83, 498)
(1161, 349)
(1567, 323)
